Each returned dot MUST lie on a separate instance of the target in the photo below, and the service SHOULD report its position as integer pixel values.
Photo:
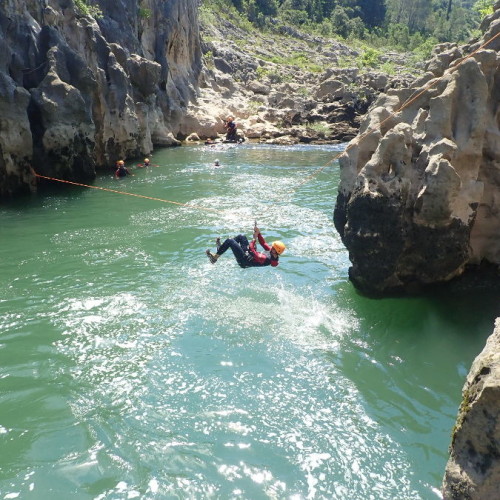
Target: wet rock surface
(473, 469)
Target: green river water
(131, 367)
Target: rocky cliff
(419, 203)
(86, 82)
(78, 92)
(284, 86)
(419, 197)
(473, 470)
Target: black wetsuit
(245, 253)
(231, 132)
(121, 171)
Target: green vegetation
(372, 28)
(406, 25)
(208, 57)
(211, 10)
(87, 9)
(369, 58)
(484, 7)
(423, 51)
(261, 72)
(320, 128)
(389, 68)
(253, 106)
(296, 59)
(304, 91)
(274, 75)
(144, 13)
(465, 407)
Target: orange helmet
(279, 246)
(121, 162)
(146, 160)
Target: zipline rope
(129, 194)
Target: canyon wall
(419, 203)
(79, 91)
(419, 197)
(473, 470)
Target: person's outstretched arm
(262, 242)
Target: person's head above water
(216, 163)
(146, 161)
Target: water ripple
(131, 367)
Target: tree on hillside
(294, 11)
(340, 21)
(412, 13)
(238, 4)
(294, 4)
(484, 7)
(406, 23)
(315, 10)
(372, 12)
(327, 7)
(448, 10)
(455, 25)
(267, 7)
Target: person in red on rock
(246, 254)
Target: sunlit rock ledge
(473, 469)
(419, 196)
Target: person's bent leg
(213, 257)
(227, 243)
(243, 242)
(238, 252)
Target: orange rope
(392, 114)
(129, 194)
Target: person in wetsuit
(121, 169)
(246, 254)
(230, 127)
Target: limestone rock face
(419, 196)
(79, 92)
(16, 143)
(473, 469)
(275, 99)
